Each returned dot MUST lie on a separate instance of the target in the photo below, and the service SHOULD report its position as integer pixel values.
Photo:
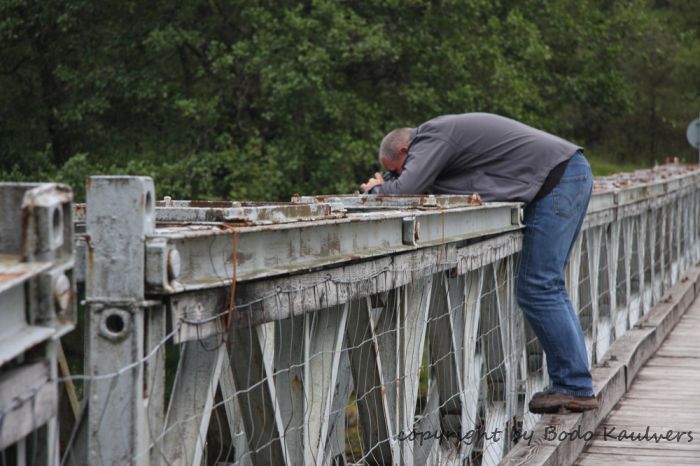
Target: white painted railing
(341, 329)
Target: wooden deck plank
(606, 459)
(645, 448)
(642, 449)
(665, 395)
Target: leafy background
(263, 99)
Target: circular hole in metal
(115, 323)
(56, 220)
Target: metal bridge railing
(37, 307)
(340, 329)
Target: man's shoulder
(453, 128)
(463, 119)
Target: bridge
(330, 330)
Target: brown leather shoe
(554, 402)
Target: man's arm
(427, 158)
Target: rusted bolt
(62, 292)
(173, 264)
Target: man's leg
(552, 226)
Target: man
(504, 160)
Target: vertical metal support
(234, 416)
(594, 238)
(192, 400)
(252, 375)
(385, 356)
(325, 333)
(682, 238)
(654, 285)
(574, 273)
(515, 335)
(644, 287)
(413, 324)
(37, 307)
(289, 377)
(630, 255)
(120, 215)
(308, 369)
(369, 385)
(696, 225)
(472, 360)
(335, 446)
(618, 317)
(501, 363)
(695, 211)
(446, 340)
(664, 266)
(673, 241)
(689, 229)
(154, 379)
(679, 231)
(51, 454)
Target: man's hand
(372, 182)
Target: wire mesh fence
(417, 355)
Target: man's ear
(403, 150)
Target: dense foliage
(262, 99)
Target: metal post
(120, 213)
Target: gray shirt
(499, 158)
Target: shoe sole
(571, 407)
(577, 408)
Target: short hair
(390, 144)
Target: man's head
(394, 149)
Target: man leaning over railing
(508, 161)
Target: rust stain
(89, 258)
(211, 204)
(7, 276)
(264, 204)
(296, 384)
(330, 246)
(474, 199)
(26, 214)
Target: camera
(389, 176)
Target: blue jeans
(552, 225)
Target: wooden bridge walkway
(665, 396)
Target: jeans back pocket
(571, 195)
